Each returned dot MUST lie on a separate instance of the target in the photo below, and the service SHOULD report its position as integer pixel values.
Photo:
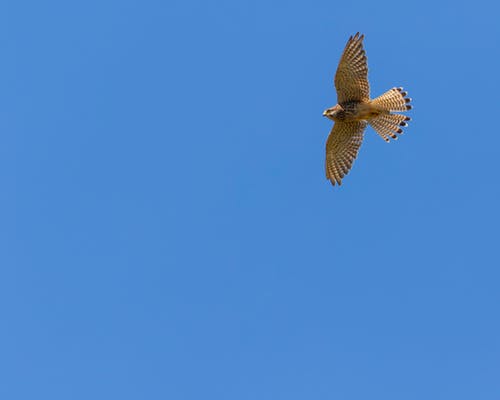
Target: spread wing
(342, 149)
(351, 78)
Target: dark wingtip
(357, 37)
(334, 181)
(408, 107)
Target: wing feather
(351, 78)
(342, 148)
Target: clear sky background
(167, 231)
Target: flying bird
(355, 110)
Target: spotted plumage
(355, 110)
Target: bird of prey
(355, 110)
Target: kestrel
(355, 110)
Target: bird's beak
(324, 113)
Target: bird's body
(355, 110)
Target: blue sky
(167, 229)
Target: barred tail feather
(393, 100)
(388, 125)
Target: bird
(355, 110)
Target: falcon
(355, 110)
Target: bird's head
(333, 113)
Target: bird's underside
(355, 110)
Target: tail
(387, 125)
(393, 100)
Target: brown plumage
(355, 109)
(342, 148)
